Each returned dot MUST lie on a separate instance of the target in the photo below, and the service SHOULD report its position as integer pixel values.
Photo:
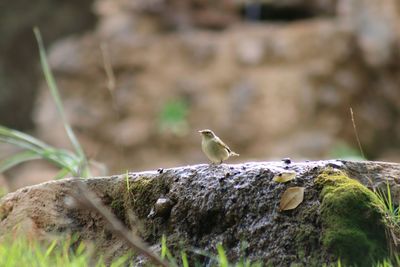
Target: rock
(203, 205)
(250, 52)
(376, 28)
(162, 207)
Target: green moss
(143, 193)
(136, 195)
(140, 185)
(117, 207)
(352, 222)
(307, 245)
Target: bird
(216, 150)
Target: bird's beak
(201, 131)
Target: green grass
(390, 209)
(74, 163)
(56, 96)
(391, 218)
(68, 162)
(222, 259)
(21, 252)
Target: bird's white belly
(214, 152)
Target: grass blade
(163, 247)
(356, 133)
(50, 249)
(223, 260)
(36, 149)
(17, 159)
(165, 253)
(8, 133)
(121, 261)
(20, 144)
(61, 174)
(389, 198)
(185, 262)
(56, 96)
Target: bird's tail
(234, 154)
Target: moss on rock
(352, 220)
(117, 207)
(143, 193)
(136, 194)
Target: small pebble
(287, 160)
(160, 170)
(162, 207)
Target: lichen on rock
(352, 220)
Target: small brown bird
(214, 148)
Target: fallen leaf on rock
(284, 177)
(291, 198)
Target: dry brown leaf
(284, 177)
(291, 198)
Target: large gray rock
(199, 206)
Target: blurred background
(139, 78)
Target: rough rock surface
(197, 207)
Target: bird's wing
(222, 144)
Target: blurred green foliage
(173, 117)
(74, 163)
(344, 151)
(22, 251)
(68, 162)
